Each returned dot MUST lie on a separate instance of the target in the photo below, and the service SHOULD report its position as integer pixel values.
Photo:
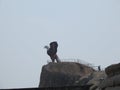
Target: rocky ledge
(112, 82)
(70, 74)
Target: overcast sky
(84, 29)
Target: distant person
(52, 51)
(99, 68)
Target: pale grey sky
(85, 29)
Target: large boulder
(63, 74)
(112, 82)
(113, 70)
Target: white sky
(84, 29)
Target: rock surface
(113, 70)
(96, 80)
(64, 74)
(112, 82)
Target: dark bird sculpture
(52, 51)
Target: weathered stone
(113, 70)
(112, 82)
(63, 74)
(97, 78)
(109, 82)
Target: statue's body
(52, 51)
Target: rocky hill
(69, 74)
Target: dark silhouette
(52, 51)
(99, 68)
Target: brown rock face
(113, 70)
(62, 74)
(112, 82)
